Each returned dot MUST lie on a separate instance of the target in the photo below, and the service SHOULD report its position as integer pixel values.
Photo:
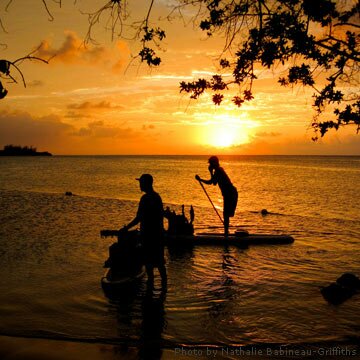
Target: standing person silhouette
(150, 215)
(228, 190)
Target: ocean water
(51, 254)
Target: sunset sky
(94, 100)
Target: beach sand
(12, 348)
(17, 348)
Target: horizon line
(220, 155)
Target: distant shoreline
(33, 348)
(11, 150)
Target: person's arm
(208, 182)
(132, 223)
(212, 180)
(137, 218)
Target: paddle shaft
(211, 202)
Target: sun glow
(223, 137)
(225, 131)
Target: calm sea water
(51, 255)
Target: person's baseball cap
(146, 178)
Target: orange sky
(86, 102)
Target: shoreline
(27, 348)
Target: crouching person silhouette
(150, 215)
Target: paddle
(210, 201)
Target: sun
(225, 131)
(223, 137)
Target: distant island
(15, 150)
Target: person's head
(146, 182)
(214, 162)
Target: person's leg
(226, 218)
(230, 202)
(150, 274)
(163, 274)
(226, 224)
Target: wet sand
(12, 348)
(17, 348)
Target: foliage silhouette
(314, 43)
(16, 150)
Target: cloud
(97, 129)
(73, 51)
(332, 144)
(35, 83)
(265, 134)
(88, 105)
(76, 115)
(52, 134)
(23, 129)
(148, 127)
(87, 108)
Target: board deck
(240, 239)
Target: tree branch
(339, 52)
(348, 24)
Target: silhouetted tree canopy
(314, 43)
(17, 150)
